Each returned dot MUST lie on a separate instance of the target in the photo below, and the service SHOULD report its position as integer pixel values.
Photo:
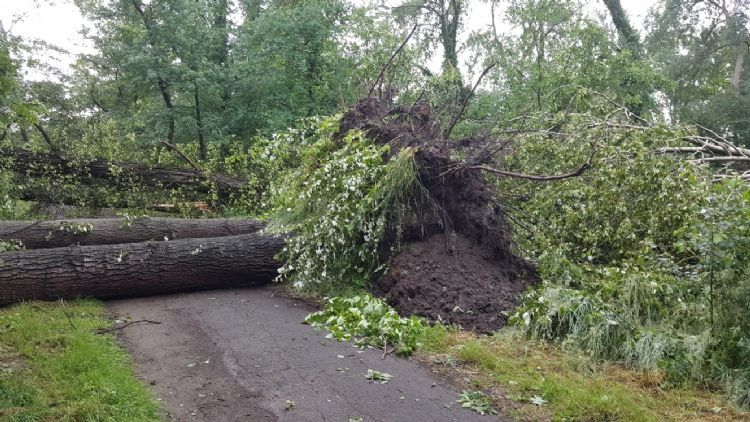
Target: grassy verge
(54, 367)
(516, 372)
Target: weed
(476, 401)
(53, 368)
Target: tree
(702, 46)
(444, 20)
(551, 58)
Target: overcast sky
(59, 23)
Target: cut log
(91, 172)
(138, 269)
(108, 231)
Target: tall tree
(702, 45)
(629, 37)
(444, 20)
(550, 56)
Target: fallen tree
(138, 269)
(107, 231)
(29, 164)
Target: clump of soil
(452, 279)
(465, 272)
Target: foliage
(375, 376)
(344, 206)
(703, 48)
(553, 58)
(509, 366)
(476, 401)
(642, 259)
(53, 366)
(368, 322)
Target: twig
(182, 154)
(539, 178)
(393, 56)
(121, 326)
(67, 315)
(448, 131)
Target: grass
(517, 372)
(54, 367)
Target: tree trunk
(738, 65)
(31, 164)
(199, 123)
(138, 269)
(109, 231)
(628, 36)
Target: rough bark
(109, 231)
(138, 269)
(33, 164)
(199, 124)
(738, 66)
(628, 36)
(163, 85)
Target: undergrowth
(54, 367)
(643, 260)
(531, 380)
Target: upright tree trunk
(450, 21)
(199, 123)
(161, 82)
(629, 38)
(739, 63)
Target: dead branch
(465, 102)
(390, 60)
(182, 154)
(538, 177)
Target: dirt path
(240, 355)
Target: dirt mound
(454, 280)
(465, 272)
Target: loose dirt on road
(244, 355)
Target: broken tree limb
(108, 231)
(138, 269)
(534, 177)
(393, 56)
(540, 177)
(90, 172)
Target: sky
(58, 22)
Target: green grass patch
(54, 367)
(548, 382)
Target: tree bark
(628, 36)
(199, 123)
(138, 269)
(161, 82)
(109, 231)
(31, 164)
(738, 66)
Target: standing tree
(702, 45)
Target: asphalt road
(244, 355)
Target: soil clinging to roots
(457, 266)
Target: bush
(643, 260)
